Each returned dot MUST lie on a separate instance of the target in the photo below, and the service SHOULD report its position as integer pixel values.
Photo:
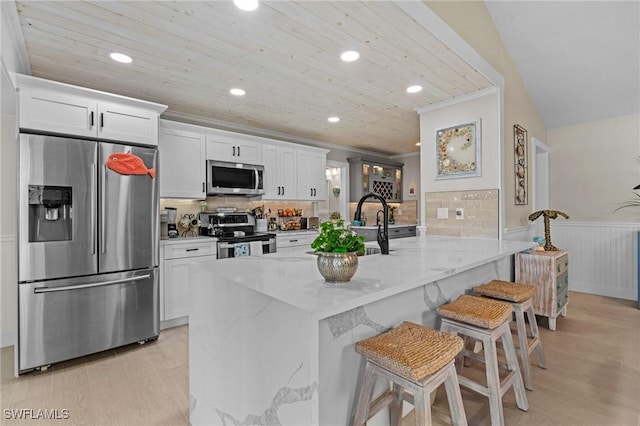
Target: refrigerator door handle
(103, 186)
(93, 209)
(78, 287)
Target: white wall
(8, 278)
(485, 108)
(593, 168)
(13, 60)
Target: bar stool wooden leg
(512, 363)
(493, 382)
(524, 346)
(422, 408)
(395, 408)
(454, 397)
(366, 392)
(535, 333)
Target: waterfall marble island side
(270, 343)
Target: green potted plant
(337, 248)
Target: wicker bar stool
(486, 320)
(520, 297)
(414, 358)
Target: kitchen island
(271, 343)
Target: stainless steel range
(236, 234)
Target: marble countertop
(292, 277)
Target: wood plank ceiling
(285, 55)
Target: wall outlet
(443, 213)
(460, 214)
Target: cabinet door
(272, 186)
(288, 171)
(280, 172)
(52, 111)
(176, 288)
(126, 123)
(318, 177)
(248, 152)
(182, 168)
(222, 148)
(311, 176)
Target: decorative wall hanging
(520, 160)
(458, 150)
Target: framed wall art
(520, 156)
(458, 150)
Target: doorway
(337, 181)
(541, 181)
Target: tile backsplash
(240, 203)
(404, 213)
(480, 213)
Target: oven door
(232, 249)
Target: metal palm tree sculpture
(548, 214)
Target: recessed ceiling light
(333, 119)
(350, 56)
(237, 92)
(414, 89)
(121, 57)
(247, 5)
(417, 143)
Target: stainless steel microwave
(225, 178)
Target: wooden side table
(549, 271)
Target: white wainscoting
(8, 283)
(603, 257)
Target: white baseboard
(7, 338)
(617, 293)
(176, 322)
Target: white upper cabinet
(293, 172)
(311, 174)
(126, 123)
(53, 107)
(182, 162)
(224, 146)
(280, 172)
(56, 112)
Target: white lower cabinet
(177, 260)
(295, 239)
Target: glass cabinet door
(365, 179)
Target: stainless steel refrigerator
(87, 249)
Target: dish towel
(241, 249)
(256, 248)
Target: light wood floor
(592, 378)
